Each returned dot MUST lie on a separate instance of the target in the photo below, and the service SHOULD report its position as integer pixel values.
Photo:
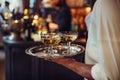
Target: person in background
(6, 11)
(60, 15)
(0, 7)
(102, 54)
(45, 9)
(1, 20)
(1, 17)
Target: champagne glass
(70, 37)
(50, 39)
(44, 40)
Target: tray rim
(32, 54)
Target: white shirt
(6, 9)
(103, 44)
(1, 20)
(0, 9)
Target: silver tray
(58, 51)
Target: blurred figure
(45, 9)
(0, 7)
(16, 14)
(1, 18)
(59, 13)
(6, 11)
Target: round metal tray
(61, 50)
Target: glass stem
(69, 43)
(51, 49)
(68, 51)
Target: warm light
(25, 11)
(6, 15)
(16, 21)
(35, 21)
(88, 9)
(36, 17)
(41, 19)
(44, 30)
(26, 17)
(22, 19)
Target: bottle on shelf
(27, 26)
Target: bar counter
(21, 66)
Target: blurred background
(21, 20)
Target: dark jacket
(62, 17)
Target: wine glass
(49, 40)
(70, 37)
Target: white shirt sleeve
(103, 44)
(98, 72)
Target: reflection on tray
(61, 50)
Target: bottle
(27, 30)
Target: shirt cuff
(98, 72)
